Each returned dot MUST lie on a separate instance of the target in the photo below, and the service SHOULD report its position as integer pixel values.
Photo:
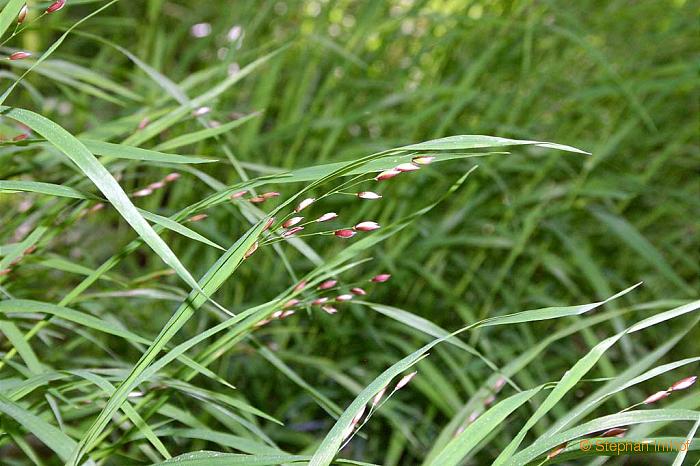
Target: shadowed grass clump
(222, 240)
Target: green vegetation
(152, 312)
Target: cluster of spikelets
(619, 432)
(22, 17)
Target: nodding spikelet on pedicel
(238, 194)
(344, 233)
(407, 167)
(269, 223)
(405, 380)
(269, 195)
(304, 204)
(22, 15)
(300, 286)
(683, 384)
(143, 192)
(251, 250)
(201, 111)
(327, 217)
(614, 432)
(343, 297)
(19, 56)
(369, 195)
(557, 450)
(20, 137)
(292, 221)
(329, 309)
(387, 174)
(423, 159)
(55, 6)
(381, 278)
(358, 291)
(197, 218)
(367, 226)
(292, 232)
(170, 177)
(656, 397)
(327, 284)
(378, 397)
(319, 301)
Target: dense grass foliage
(486, 308)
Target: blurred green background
(531, 229)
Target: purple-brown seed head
(656, 397)
(292, 232)
(19, 55)
(327, 284)
(683, 383)
(344, 233)
(381, 278)
(55, 6)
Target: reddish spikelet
(369, 195)
(407, 167)
(157, 185)
(327, 284)
(170, 177)
(251, 250)
(143, 123)
(367, 226)
(423, 160)
(292, 221)
(276, 315)
(385, 175)
(292, 232)
(330, 309)
(256, 199)
(405, 380)
(197, 218)
(55, 6)
(319, 301)
(300, 286)
(20, 137)
(96, 207)
(343, 297)
(304, 204)
(556, 451)
(29, 250)
(381, 278)
(499, 384)
(290, 303)
(4, 272)
(201, 111)
(262, 322)
(19, 56)
(344, 233)
(614, 432)
(473, 417)
(238, 194)
(143, 193)
(22, 14)
(358, 291)
(489, 401)
(286, 314)
(683, 383)
(358, 416)
(378, 397)
(270, 195)
(326, 217)
(656, 397)
(269, 223)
